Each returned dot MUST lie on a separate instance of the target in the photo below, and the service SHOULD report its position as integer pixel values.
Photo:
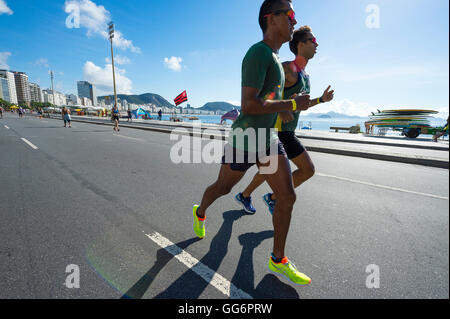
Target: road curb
(430, 162)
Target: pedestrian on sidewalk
(116, 117)
(129, 115)
(367, 126)
(66, 116)
(441, 133)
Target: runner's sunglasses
(289, 12)
(313, 40)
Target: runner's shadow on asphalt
(138, 290)
(270, 286)
(190, 285)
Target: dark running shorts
(244, 161)
(291, 144)
(116, 117)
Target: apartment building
(22, 87)
(35, 93)
(9, 76)
(87, 90)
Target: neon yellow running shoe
(199, 223)
(289, 271)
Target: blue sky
(165, 47)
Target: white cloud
(43, 62)
(95, 19)
(102, 78)
(443, 113)
(4, 8)
(344, 106)
(235, 103)
(4, 59)
(173, 63)
(120, 42)
(118, 59)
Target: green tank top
(261, 69)
(303, 86)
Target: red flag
(180, 98)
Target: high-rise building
(4, 90)
(72, 99)
(35, 93)
(47, 96)
(86, 101)
(22, 87)
(87, 90)
(60, 99)
(9, 76)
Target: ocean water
(314, 122)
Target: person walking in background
(367, 126)
(66, 116)
(116, 117)
(129, 115)
(441, 133)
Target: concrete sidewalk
(419, 151)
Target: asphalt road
(394, 149)
(116, 206)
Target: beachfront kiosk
(410, 122)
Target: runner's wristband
(294, 105)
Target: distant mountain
(146, 98)
(218, 106)
(334, 115)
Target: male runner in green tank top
(304, 46)
(262, 88)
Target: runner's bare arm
(290, 77)
(253, 104)
(326, 97)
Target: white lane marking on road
(131, 138)
(30, 144)
(206, 273)
(7, 127)
(383, 186)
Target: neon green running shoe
(289, 271)
(199, 223)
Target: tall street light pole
(111, 36)
(53, 89)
